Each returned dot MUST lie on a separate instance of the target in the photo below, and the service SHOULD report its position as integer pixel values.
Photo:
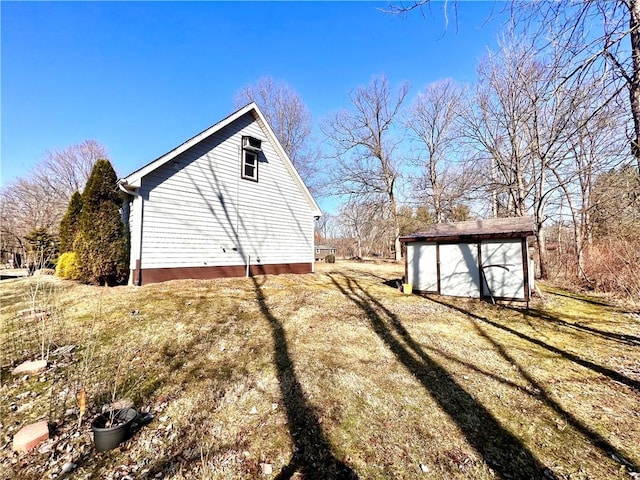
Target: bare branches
(403, 8)
(367, 126)
(432, 121)
(364, 144)
(551, 113)
(39, 200)
(290, 119)
(366, 223)
(595, 37)
(65, 171)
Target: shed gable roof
(514, 227)
(134, 179)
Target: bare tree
(39, 200)
(596, 147)
(24, 209)
(616, 204)
(598, 36)
(62, 172)
(290, 119)
(494, 122)
(524, 118)
(432, 121)
(595, 35)
(326, 228)
(364, 222)
(560, 133)
(612, 259)
(363, 139)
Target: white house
(480, 258)
(227, 202)
(323, 250)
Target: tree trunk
(521, 208)
(494, 193)
(435, 188)
(539, 205)
(394, 213)
(634, 88)
(396, 229)
(542, 251)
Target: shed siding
(504, 282)
(199, 212)
(459, 271)
(422, 263)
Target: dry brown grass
(339, 375)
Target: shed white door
(459, 272)
(502, 261)
(422, 264)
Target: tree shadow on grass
(607, 372)
(616, 337)
(594, 437)
(500, 449)
(312, 456)
(587, 299)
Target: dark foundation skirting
(155, 275)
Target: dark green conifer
(70, 224)
(43, 249)
(102, 243)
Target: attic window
(251, 147)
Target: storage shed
(480, 258)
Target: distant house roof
(325, 247)
(514, 227)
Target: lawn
(330, 375)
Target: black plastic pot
(107, 438)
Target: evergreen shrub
(68, 266)
(102, 240)
(70, 223)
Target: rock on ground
(30, 367)
(31, 436)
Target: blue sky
(142, 77)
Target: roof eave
(464, 237)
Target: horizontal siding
(197, 208)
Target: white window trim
(244, 164)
